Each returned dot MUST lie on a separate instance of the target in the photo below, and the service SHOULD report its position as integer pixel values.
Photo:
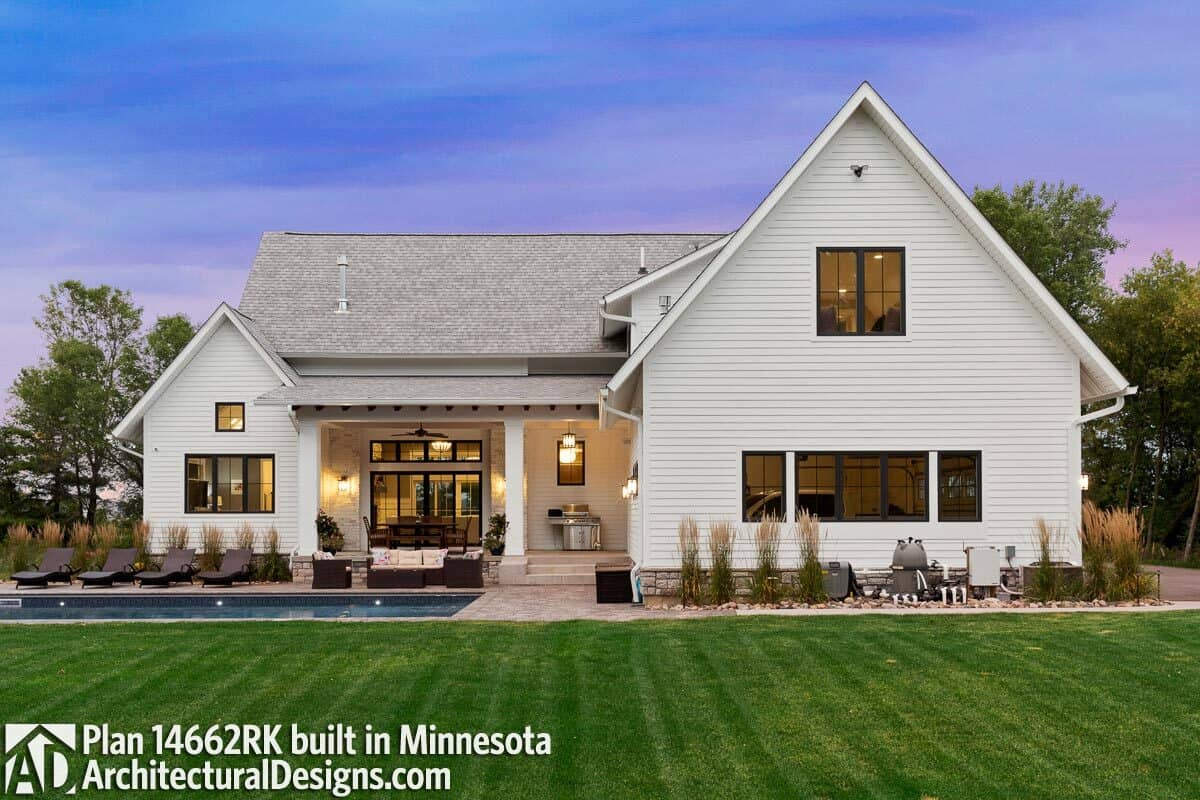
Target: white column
(308, 486)
(514, 486)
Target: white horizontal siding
(978, 368)
(227, 369)
(644, 306)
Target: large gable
(1099, 378)
(446, 294)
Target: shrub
(104, 538)
(81, 540)
(51, 534)
(810, 582)
(329, 533)
(274, 565)
(690, 589)
(245, 537)
(211, 538)
(176, 536)
(1046, 582)
(720, 549)
(20, 549)
(764, 583)
(1112, 556)
(140, 540)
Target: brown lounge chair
(55, 566)
(235, 566)
(118, 566)
(177, 566)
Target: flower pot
(496, 551)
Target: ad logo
(35, 759)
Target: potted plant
(494, 539)
(329, 533)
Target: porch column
(308, 486)
(514, 486)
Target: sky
(148, 145)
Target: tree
(97, 364)
(1147, 455)
(1061, 233)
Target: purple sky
(148, 145)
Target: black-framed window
(885, 487)
(960, 478)
(231, 417)
(860, 291)
(763, 486)
(435, 450)
(573, 473)
(229, 484)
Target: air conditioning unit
(983, 567)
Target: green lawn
(999, 706)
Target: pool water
(230, 606)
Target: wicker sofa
(406, 569)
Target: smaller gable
(130, 427)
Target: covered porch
(398, 469)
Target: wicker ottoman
(395, 578)
(463, 573)
(612, 584)
(331, 573)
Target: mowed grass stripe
(697, 708)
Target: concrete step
(542, 568)
(573, 579)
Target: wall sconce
(343, 484)
(1085, 480)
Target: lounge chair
(235, 566)
(118, 566)
(177, 566)
(55, 566)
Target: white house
(865, 346)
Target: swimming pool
(230, 606)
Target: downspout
(115, 442)
(605, 408)
(605, 314)
(1078, 423)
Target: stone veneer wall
(494, 439)
(341, 455)
(664, 583)
(302, 571)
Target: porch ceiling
(524, 389)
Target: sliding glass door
(450, 495)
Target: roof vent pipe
(642, 268)
(343, 301)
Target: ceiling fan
(421, 433)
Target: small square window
(231, 417)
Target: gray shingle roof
(530, 389)
(446, 294)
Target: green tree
(1061, 233)
(97, 364)
(1147, 455)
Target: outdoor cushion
(380, 556)
(405, 558)
(433, 558)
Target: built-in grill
(580, 528)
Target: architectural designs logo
(35, 758)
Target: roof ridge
(501, 235)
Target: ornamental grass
(721, 586)
(764, 583)
(690, 573)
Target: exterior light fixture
(567, 455)
(568, 439)
(624, 491)
(1084, 481)
(632, 483)
(343, 483)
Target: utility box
(983, 567)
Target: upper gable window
(231, 417)
(860, 291)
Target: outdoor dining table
(423, 531)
